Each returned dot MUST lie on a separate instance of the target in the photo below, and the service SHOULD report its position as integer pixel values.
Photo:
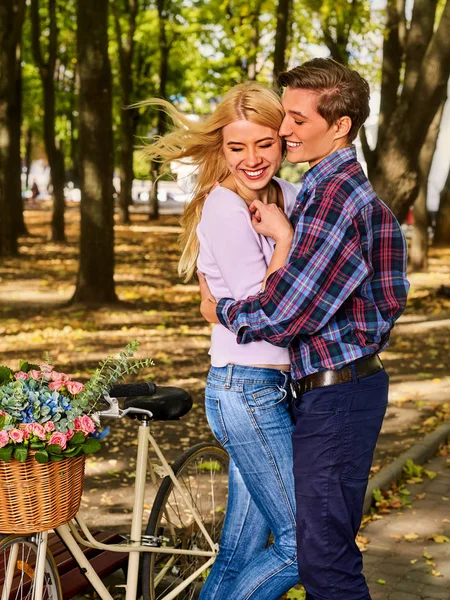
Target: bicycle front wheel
(17, 570)
(202, 473)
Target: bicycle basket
(35, 497)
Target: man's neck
(345, 144)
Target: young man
(334, 304)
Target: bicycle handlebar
(129, 390)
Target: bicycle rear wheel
(17, 570)
(202, 472)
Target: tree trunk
(442, 233)
(126, 50)
(16, 162)
(95, 282)
(254, 41)
(162, 121)
(418, 253)
(47, 74)
(29, 147)
(281, 37)
(11, 21)
(396, 177)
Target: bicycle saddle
(168, 404)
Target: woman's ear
(343, 126)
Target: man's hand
(207, 303)
(270, 220)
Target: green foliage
(6, 375)
(6, 453)
(110, 371)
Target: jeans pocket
(264, 397)
(215, 418)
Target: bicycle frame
(72, 538)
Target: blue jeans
(335, 435)
(248, 411)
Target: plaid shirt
(344, 283)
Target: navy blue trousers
(336, 429)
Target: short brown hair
(342, 91)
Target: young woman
(238, 151)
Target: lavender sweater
(234, 259)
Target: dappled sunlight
(162, 313)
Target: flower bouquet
(46, 429)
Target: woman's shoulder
(222, 201)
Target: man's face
(308, 136)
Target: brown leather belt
(363, 368)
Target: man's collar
(327, 166)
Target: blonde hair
(201, 144)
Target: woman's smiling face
(253, 153)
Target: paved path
(401, 564)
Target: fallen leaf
(410, 537)
(440, 539)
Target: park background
(90, 262)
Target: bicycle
(180, 541)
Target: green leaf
(20, 453)
(6, 375)
(23, 366)
(2, 421)
(41, 456)
(56, 458)
(77, 439)
(91, 445)
(72, 452)
(54, 449)
(381, 581)
(5, 453)
(377, 495)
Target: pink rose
(70, 434)
(36, 429)
(45, 368)
(77, 424)
(75, 387)
(87, 424)
(49, 426)
(58, 438)
(54, 376)
(4, 438)
(20, 375)
(16, 435)
(55, 385)
(2, 413)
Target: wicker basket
(35, 497)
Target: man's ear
(342, 127)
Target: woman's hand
(270, 220)
(207, 303)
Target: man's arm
(325, 267)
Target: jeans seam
(285, 566)
(229, 561)
(273, 462)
